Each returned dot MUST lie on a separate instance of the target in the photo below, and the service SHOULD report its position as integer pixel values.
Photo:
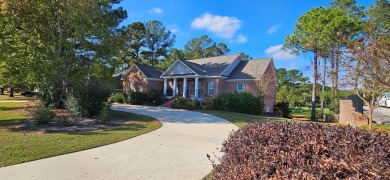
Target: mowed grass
(306, 111)
(378, 128)
(17, 96)
(19, 146)
(240, 119)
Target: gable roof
(150, 72)
(212, 66)
(147, 71)
(166, 72)
(250, 69)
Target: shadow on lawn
(126, 127)
(9, 122)
(10, 108)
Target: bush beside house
(240, 102)
(87, 100)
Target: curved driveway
(175, 151)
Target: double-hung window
(137, 87)
(130, 86)
(240, 87)
(210, 88)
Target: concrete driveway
(175, 151)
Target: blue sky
(255, 27)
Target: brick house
(142, 78)
(208, 77)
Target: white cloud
(278, 54)
(156, 10)
(175, 30)
(241, 39)
(273, 29)
(222, 26)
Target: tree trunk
(332, 69)
(323, 87)
(370, 120)
(2, 90)
(313, 93)
(11, 93)
(336, 72)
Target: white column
(165, 86)
(184, 87)
(196, 87)
(174, 86)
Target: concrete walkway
(175, 151)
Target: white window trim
(242, 87)
(130, 86)
(208, 88)
(137, 87)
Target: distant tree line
(353, 43)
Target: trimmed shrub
(43, 115)
(182, 103)
(240, 102)
(303, 151)
(118, 97)
(155, 97)
(137, 98)
(208, 104)
(105, 112)
(283, 108)
(88, 99)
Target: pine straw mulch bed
(64, 122)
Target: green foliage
(87, 99)
(118, 97)
(295, 96)
(155, 97)
(203, 47)
(239, 102)
(43, 115)
(58, 44)
(137, 98)
(283, 108)
(105, 112)
(157, 41)
(208, 104)
(182, 103)
(318, 114)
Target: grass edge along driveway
(21, 146)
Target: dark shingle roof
(150, 72)
(250, 69)
(213, 66)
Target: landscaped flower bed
(304, 151)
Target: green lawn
(306, 111)
(240, 119)
(378, 127)
(16, 97)
(19, 146)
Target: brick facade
(225, 74)
(145, 85)
(348, 115)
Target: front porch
(187, 87)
